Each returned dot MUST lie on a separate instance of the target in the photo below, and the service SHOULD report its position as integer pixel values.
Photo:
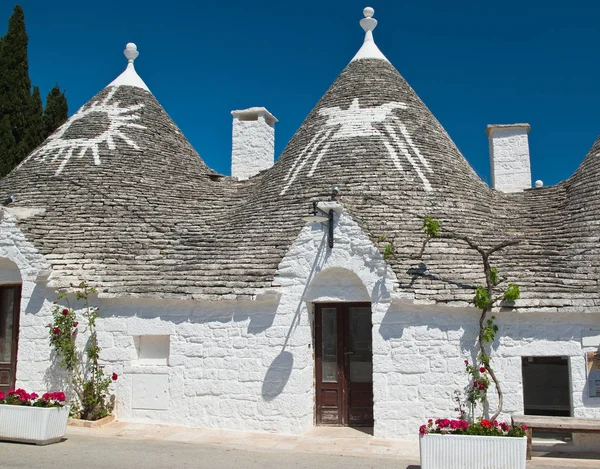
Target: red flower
(482, 369)
(115, 376)
(466, 362)
(56, 331)
(75, 324)
(65, 312)
(422, 430)
(486, 423)
(504, 426)
(525, 427)
(1, 395)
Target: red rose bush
(92, 399)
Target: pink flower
(504, 426)
(1, 395)
(525, 427)
(422, 430)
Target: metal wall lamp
(319, 216)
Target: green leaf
(431, 227)
(512, 292)
(387, 254)
(494, 275)
(482, 299)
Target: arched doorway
(343, 349)
(10, 307)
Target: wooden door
(344, 364)
(10, 306)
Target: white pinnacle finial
(368, 23)
(369, 50)
(131, 52)
(130, 77)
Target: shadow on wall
(280, 370)
(277, 376)
(260, 313)
(56, 378)
(431, 325)
(39, 294)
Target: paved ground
(131, 446)
(80, 452)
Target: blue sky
(473, 63)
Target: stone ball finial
(539, 183)
(131, 52)
(368, 23)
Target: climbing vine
(87, 375)
(485, 298)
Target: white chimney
(509, 157)
(253, 143)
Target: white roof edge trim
(129, 78)
(369, 49)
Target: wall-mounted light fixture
(319, 215)
(9, 200)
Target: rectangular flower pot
(38, 425)
(472, 452)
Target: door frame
(342, 374)
(18, 287)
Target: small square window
(152, 349)
(546, 386)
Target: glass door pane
(6, 324)
(329, 345)
(360, 349)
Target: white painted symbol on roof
(343, 124)
(110, 117)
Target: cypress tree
(7, 147)
(21, 112)
(35, 132)
(56, 111)
(15, 85)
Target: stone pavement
(130, 445)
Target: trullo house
(222, 305)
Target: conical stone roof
(133, 209)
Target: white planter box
(472, 452)
(39, 425)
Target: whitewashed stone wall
(509, 157)
(419, 355)
(249, 365)
(253, 147)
